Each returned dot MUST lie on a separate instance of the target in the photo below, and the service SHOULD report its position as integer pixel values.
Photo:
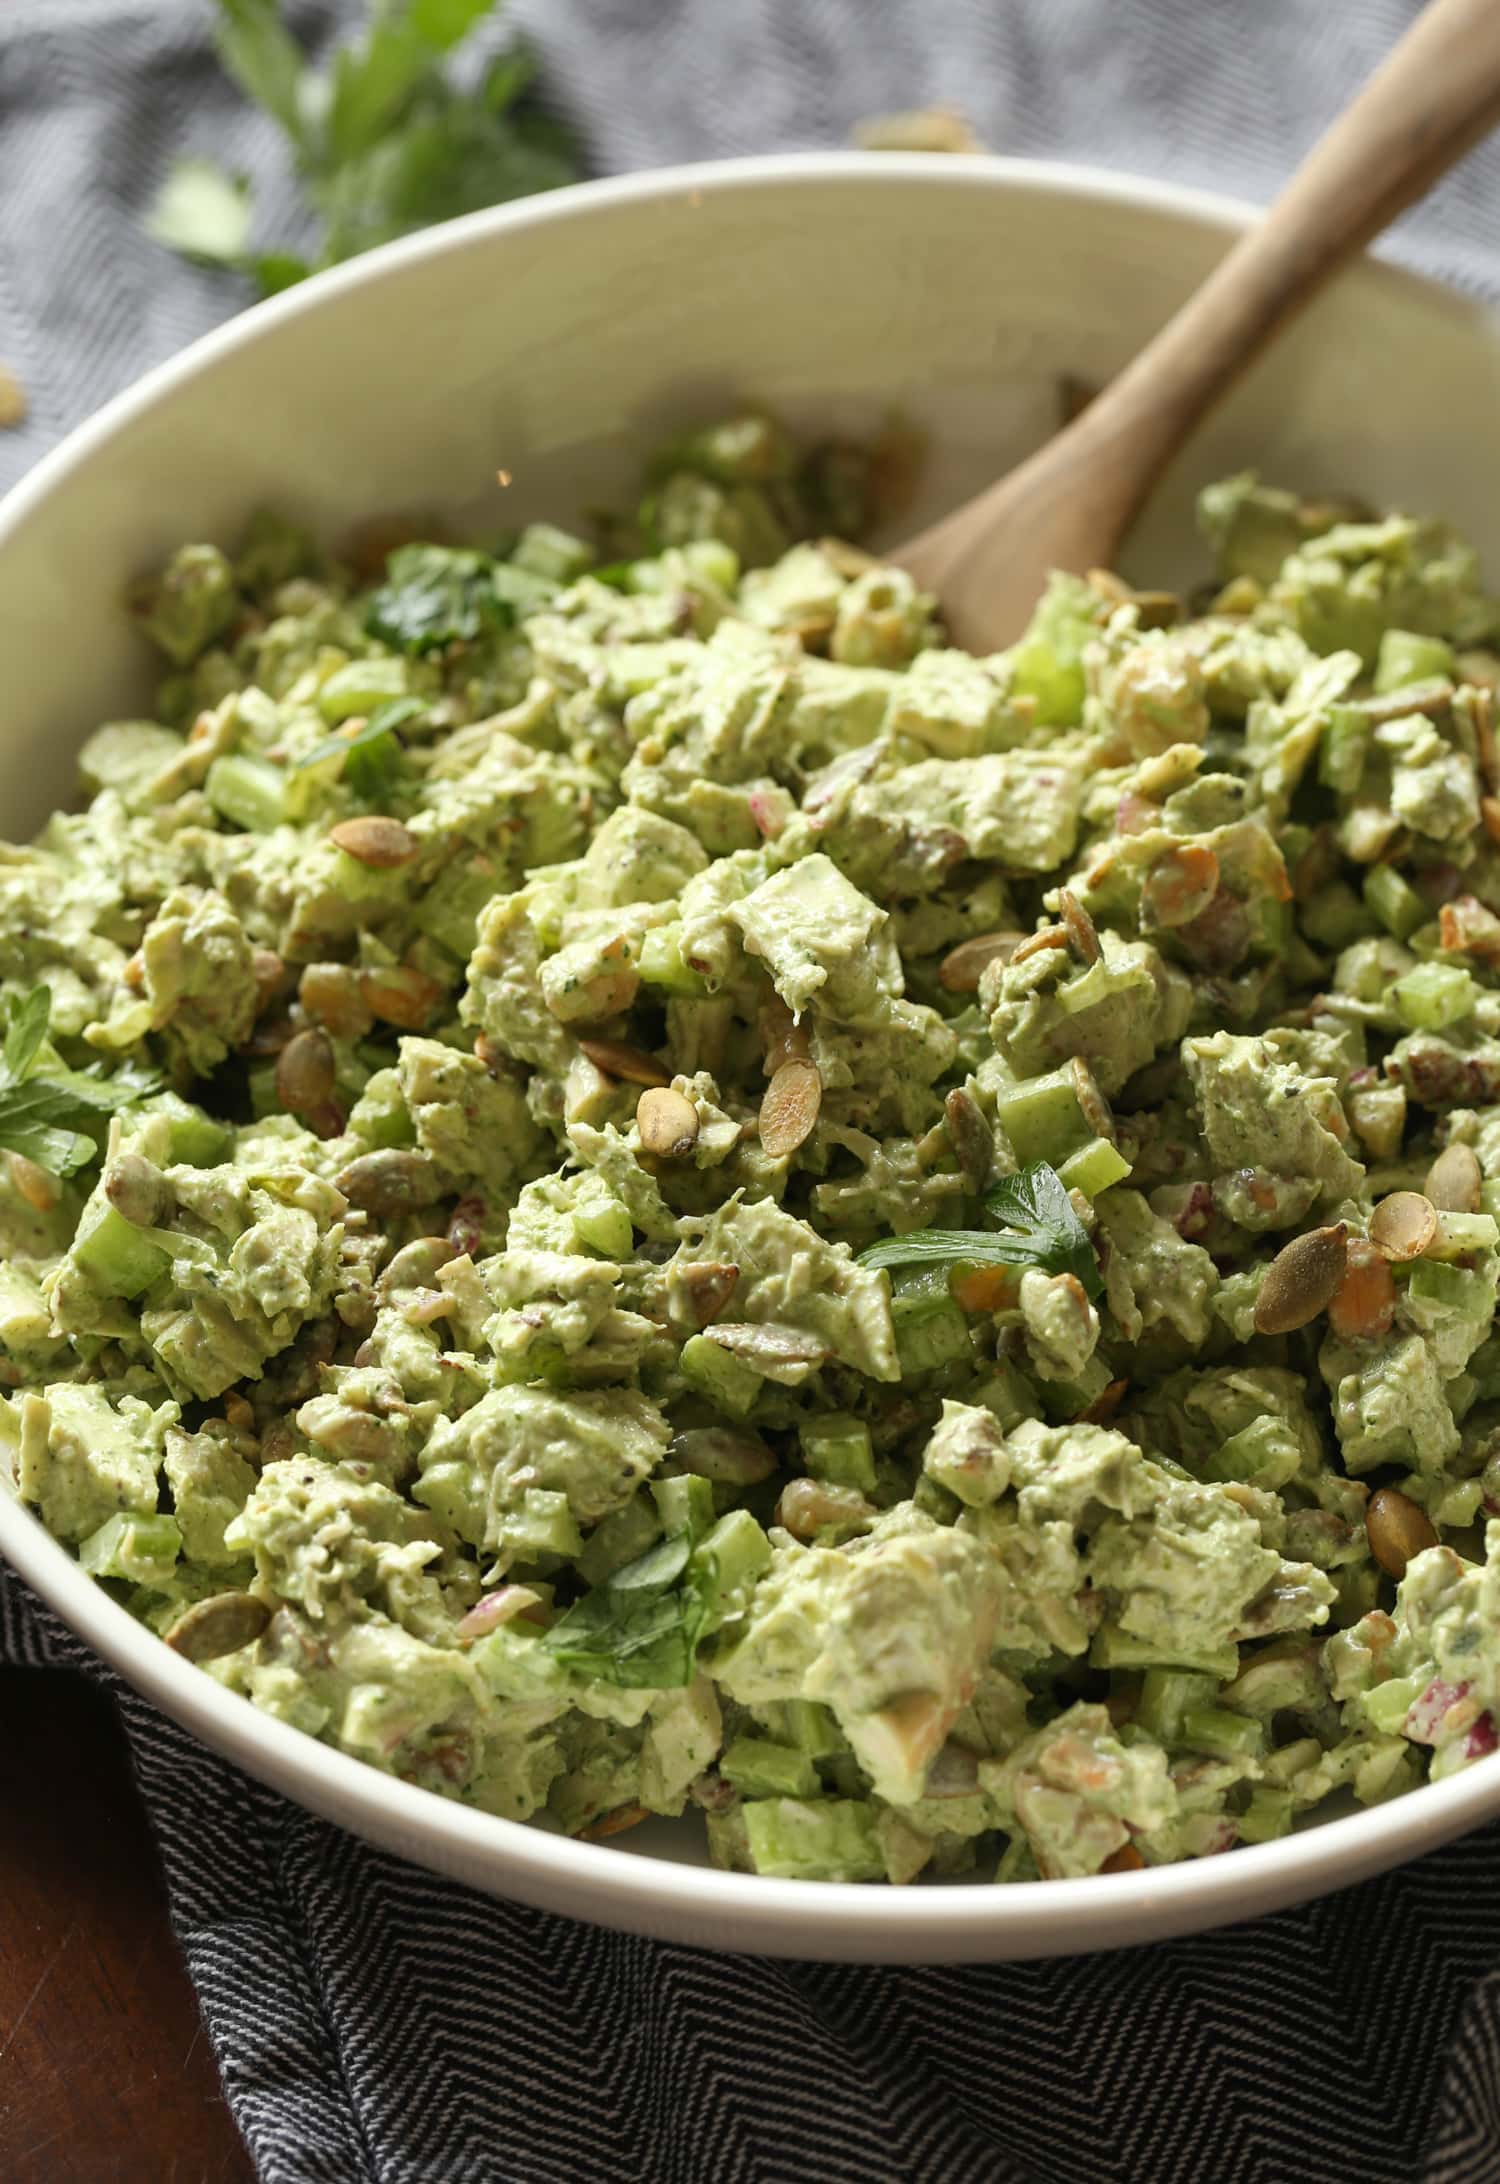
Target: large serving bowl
(556, 340)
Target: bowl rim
(614, 1887)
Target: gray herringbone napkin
(373, 2023)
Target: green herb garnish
(383, 141)
(372, 757)
(434, 596)
(641, 1628)
(46, 1108)
(1039, 1229)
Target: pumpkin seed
(1301, 1280)
(969, 1135)
(962, 967)
(306, 1073)
(783, 1354)
(1127, 1859)
(1048, 936)
(401, 995)
(415, 1264)
(629, 1063)
(1403, 1225)
(807, 1505)
(138, 1190)
(222, 1624)
(33, 1184)
(705, 1287)
(1092, 1105)
(1396, 1529)
(331, 994)
(668, 1122)
(375, 840)
(789, 1108)
(1455, 1179)
(727, 1455)
(390, 1181)
(268, 971)
(1083, 934)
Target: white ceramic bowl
(557, 339)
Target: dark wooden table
(106, 2075)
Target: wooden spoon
(1069, 505)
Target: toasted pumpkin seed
(306, 1073)
(970, 1136)
(783, 1354)
(392, 1180)
(705, 1287)
(1047, 936)
(963, 966)
(138, 1190)
(269, 973)
(806, 1505)
(402, 995)
(375, 840)
(1092, 1105)
(221, 1624)
(1083, 934)
(1127, 1859)
(668, 1122)
(1403, 1225)
(728, 1455)
(331, 994)
(1301, 1280)
(789, 1108)
(39, 1190)
(1455, 1179)
(630, 1064)
(1396, 1529)
(415, 1264)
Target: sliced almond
(668, 1122)
(631, 1064)
(221, 1624)
(1455, 1179)
(963, 966)
(789, 1109)
(1403, 1225)
(375, 840)
(1301, 1280)
(1083, 934)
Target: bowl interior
(556, 342)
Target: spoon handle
(1436, 95)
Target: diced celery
(1062, 1399)
(195, 1139)
(1167, 1694)
(930, 1332)
(604, 1225)
(728, 1382)
(1335, 916)
(1267, 1815)
(547, 551)
(822, 1839)
(543, 1525)
(837, 1448)
(522, 590)
(361, 686)
(249, 791)
(1118, 1649)
(141, 1549)
(1262, 1454)
(1006, 1393)
(661, 964)
(759, 1768)
(812, 1728)
(1345, 745)
(1222, 1735)
(1394, 901)
(449, 911)
(684, 1503)
(1387, 1706)
(117, 1255)
(734, 1555)
(1434, 995)
(1489, 1200)
(1094, 1168)
(1042, 1117)
(621, 1537)
(1405, 658)
(1451, 1288)
(1459, 1234)
(1273, 1683)
(1290, 1760)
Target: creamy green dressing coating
(516, 991)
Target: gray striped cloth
(377, 2026)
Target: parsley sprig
(50, 1113)
(1036, 1226)
(384, 141)
(641, 1628)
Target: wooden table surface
(106, 2075)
